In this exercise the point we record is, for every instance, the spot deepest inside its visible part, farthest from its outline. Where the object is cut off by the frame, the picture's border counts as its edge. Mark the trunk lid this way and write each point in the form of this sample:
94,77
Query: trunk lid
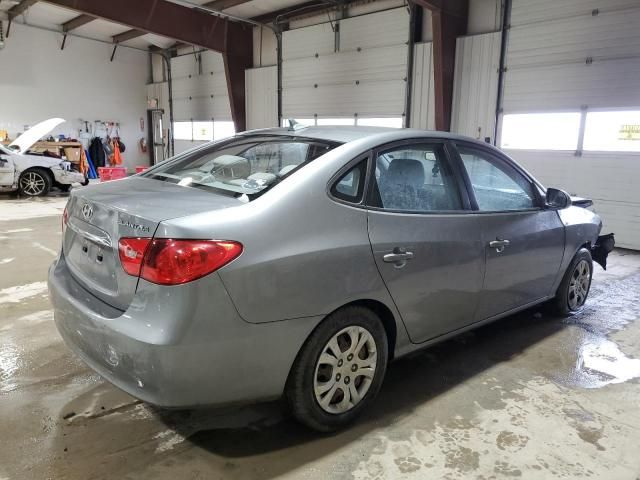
98,216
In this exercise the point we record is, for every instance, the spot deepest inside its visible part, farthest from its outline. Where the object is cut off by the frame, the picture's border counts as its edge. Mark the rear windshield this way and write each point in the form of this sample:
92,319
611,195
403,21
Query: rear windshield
247,165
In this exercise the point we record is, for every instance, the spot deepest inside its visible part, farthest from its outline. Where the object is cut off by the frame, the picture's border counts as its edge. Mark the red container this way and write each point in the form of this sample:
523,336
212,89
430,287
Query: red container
111,173
140,169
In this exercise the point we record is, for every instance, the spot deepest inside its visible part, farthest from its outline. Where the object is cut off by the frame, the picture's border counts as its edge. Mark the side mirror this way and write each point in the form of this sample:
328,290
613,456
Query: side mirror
557,199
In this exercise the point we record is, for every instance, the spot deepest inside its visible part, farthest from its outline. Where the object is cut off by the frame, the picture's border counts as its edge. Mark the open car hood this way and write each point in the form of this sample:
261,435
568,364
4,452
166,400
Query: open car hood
26,140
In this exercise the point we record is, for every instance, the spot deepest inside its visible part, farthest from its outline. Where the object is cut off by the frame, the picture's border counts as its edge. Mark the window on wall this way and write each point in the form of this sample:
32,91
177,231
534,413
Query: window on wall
393,122
541,131
612,131
223,130
337,121
182,131
204,131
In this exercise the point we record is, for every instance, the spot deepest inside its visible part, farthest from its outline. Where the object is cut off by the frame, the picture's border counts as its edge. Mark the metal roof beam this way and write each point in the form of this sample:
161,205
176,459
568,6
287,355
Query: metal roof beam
77,22
20,8
224,4
449,21
128,35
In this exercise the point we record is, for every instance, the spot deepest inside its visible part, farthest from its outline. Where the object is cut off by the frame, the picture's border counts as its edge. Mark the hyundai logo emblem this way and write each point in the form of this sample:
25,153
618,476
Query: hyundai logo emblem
87,211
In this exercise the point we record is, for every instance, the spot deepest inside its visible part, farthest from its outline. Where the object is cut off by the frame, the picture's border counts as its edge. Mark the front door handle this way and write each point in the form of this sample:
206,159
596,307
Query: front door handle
499,245
398,257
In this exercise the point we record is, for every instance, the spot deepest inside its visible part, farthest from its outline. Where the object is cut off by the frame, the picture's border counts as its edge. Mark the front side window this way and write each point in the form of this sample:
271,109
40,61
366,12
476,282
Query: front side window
241,166
415,179
496,186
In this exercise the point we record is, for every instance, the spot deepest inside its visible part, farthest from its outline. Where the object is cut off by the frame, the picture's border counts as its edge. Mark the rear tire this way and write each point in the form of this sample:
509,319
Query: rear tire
34,182
576,283
339,370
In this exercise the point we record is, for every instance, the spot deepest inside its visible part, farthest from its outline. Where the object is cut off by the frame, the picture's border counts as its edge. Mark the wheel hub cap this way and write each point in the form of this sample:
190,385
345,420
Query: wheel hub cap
579,285
345,370
32,183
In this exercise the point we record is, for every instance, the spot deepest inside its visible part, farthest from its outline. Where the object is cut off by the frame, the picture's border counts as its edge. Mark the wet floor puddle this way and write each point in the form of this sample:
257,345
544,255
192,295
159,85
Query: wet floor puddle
599,360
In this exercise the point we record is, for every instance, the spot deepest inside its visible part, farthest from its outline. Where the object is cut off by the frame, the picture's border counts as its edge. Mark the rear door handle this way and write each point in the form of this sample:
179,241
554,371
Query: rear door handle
499,245
399,257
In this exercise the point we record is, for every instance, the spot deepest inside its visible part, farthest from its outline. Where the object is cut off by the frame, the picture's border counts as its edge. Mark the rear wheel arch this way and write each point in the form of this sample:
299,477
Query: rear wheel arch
386,317
384,314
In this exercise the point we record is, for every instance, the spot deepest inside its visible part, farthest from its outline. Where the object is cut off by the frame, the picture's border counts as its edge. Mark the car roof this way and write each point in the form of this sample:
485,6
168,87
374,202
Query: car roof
346,134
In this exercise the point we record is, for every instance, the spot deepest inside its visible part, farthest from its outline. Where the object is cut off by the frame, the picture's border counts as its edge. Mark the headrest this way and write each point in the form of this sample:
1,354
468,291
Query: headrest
406,172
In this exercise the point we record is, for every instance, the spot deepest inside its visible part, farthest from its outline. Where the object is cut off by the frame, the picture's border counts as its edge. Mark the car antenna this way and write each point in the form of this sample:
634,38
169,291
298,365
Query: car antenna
293,125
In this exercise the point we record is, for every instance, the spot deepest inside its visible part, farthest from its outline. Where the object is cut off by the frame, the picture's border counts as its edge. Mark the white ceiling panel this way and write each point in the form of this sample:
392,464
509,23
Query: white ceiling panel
101,29
45,15
255,8
150,39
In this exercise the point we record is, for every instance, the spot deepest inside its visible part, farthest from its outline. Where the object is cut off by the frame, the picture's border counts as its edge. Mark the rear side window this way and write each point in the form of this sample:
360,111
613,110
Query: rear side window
496,185
415,179
350,186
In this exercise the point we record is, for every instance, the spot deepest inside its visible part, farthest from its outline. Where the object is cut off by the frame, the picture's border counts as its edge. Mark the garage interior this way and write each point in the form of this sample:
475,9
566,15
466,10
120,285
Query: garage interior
553,83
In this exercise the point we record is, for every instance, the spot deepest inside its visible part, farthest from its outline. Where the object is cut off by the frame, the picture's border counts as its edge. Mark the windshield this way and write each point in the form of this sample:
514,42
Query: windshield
246,165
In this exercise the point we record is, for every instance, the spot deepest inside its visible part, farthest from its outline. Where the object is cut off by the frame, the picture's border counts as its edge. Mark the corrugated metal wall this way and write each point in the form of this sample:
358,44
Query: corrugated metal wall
364,74
422,90
573,54
476,85
261,86
200,90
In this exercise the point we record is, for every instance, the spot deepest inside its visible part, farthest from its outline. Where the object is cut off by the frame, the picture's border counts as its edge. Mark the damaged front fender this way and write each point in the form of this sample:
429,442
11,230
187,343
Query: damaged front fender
602,248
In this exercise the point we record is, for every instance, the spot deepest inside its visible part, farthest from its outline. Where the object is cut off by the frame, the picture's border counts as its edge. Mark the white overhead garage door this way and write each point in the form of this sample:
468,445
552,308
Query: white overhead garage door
362,73
562,55
200,88
572,102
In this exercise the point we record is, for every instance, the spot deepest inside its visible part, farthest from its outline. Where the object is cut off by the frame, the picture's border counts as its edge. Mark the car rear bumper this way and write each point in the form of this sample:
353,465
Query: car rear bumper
177,353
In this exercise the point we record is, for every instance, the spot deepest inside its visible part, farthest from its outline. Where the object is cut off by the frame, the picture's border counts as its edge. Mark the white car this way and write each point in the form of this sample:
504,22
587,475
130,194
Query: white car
34,174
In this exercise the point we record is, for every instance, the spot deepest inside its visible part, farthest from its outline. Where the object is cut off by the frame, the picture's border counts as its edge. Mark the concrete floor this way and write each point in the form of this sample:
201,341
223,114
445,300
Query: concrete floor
531,396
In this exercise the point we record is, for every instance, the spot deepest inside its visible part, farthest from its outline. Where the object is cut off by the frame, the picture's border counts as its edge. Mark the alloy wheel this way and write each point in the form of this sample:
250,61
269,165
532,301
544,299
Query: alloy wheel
579,285
345,369
32,184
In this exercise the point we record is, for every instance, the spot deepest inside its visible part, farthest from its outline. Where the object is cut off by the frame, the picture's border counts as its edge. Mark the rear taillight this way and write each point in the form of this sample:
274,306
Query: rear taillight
171,262
131,251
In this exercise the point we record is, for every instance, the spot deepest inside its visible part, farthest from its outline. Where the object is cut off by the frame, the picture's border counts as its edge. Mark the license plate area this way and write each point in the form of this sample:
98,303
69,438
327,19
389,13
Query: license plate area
90,256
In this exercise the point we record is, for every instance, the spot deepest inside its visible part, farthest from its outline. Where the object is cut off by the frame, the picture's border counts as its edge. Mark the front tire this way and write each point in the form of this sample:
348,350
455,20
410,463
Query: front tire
576,283
34,182
339,370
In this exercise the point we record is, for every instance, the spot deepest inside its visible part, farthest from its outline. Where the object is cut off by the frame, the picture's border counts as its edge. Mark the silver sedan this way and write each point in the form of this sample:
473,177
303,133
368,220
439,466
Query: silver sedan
300,261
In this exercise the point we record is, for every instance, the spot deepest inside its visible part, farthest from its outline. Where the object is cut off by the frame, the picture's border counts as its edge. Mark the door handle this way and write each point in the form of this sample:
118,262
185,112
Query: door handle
499,245
399,257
